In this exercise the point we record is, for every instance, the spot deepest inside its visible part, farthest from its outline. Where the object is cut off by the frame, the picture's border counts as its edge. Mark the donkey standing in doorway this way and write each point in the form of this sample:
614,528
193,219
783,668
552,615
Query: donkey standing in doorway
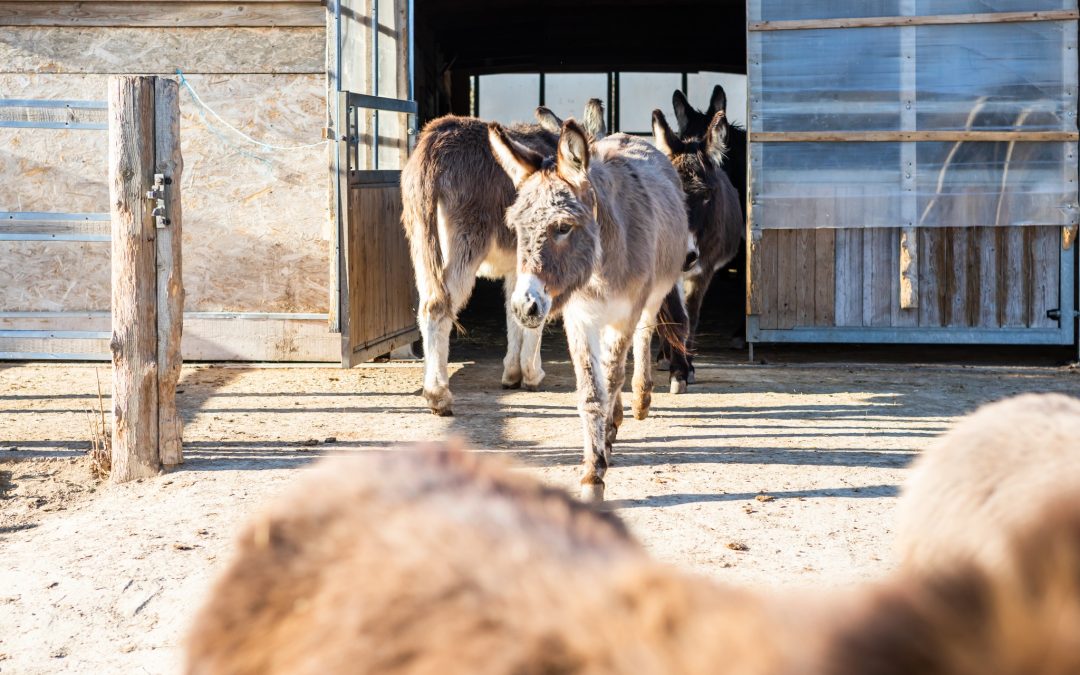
602,237
712,204
454,198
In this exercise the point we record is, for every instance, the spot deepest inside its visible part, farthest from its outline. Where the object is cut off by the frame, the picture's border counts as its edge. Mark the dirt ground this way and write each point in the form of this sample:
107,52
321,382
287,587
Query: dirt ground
99,578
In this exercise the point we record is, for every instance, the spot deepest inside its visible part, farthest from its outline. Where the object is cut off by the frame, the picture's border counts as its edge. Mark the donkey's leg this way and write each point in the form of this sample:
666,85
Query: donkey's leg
696,286
435,322
436,318
532,371
616,345
642,382
584,343
511,376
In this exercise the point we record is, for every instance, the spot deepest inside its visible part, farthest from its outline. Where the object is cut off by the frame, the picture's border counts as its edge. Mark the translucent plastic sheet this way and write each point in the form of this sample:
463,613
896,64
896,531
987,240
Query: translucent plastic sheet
856,185
976,76
786,10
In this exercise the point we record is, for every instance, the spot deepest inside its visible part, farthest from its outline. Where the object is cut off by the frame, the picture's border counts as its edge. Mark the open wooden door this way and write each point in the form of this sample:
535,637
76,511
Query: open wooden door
375,123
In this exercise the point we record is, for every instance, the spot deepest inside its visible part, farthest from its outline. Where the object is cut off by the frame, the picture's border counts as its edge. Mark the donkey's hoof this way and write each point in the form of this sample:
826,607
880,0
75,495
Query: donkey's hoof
678,386
641,407
663,364
532,381
511,378
511,385
690,378
440,401
592,490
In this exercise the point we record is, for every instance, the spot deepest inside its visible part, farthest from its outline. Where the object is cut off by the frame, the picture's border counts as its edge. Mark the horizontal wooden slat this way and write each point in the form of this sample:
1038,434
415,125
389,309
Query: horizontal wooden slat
161,14
902,136
932,20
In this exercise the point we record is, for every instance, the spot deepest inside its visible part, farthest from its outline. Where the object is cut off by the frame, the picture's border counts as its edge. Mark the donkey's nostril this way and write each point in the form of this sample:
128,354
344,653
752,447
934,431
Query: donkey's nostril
532,309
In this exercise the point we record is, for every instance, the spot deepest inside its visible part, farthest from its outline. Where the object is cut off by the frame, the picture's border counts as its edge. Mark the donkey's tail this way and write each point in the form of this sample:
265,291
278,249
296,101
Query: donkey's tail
672,324
419,217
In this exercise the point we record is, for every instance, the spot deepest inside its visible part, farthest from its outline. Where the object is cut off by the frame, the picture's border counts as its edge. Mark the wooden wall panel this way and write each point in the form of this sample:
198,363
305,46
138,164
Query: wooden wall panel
382,298
256,230
933,264
787,278
805,283
1045,274
52,276
163,14
763,279
849,277
42,49
825,277
1012,302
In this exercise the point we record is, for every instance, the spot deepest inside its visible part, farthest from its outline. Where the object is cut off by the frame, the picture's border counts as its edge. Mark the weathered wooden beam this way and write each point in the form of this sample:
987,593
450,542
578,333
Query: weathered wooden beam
134,279
119,13
929,20
170,287
909,136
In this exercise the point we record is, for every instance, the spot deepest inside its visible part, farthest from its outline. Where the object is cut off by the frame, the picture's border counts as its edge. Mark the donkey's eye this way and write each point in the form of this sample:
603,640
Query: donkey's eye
563,229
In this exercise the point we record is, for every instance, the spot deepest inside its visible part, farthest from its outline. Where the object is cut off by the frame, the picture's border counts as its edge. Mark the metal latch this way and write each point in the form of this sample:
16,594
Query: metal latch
156,194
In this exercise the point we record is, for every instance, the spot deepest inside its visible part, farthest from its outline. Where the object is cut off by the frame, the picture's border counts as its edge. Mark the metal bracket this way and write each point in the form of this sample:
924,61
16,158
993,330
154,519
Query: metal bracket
157,195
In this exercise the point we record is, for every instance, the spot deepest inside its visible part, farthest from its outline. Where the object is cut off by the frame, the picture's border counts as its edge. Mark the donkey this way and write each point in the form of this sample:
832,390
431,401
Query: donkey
693,123
602,234
713,206
433,560
988,477
454,196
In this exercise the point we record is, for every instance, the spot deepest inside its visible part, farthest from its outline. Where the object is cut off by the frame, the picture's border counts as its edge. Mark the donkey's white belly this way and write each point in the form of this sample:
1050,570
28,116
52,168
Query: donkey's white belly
599,313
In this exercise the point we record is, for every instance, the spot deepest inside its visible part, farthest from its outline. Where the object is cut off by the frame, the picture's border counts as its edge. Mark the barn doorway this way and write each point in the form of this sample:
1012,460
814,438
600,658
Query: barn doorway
500,64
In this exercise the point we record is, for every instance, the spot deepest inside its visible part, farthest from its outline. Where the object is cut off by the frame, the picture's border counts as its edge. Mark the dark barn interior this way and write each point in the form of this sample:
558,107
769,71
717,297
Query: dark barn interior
460,39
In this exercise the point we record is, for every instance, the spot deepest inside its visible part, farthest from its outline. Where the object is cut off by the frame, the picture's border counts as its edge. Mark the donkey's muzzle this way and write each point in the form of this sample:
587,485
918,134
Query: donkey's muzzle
530,302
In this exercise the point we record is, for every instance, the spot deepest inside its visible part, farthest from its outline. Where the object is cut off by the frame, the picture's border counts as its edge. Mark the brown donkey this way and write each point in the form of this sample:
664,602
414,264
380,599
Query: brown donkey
602,237
712,204
454,196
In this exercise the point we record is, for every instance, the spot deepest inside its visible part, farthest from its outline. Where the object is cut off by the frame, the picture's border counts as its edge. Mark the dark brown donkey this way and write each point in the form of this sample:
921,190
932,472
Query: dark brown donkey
602,237
454,196
715,216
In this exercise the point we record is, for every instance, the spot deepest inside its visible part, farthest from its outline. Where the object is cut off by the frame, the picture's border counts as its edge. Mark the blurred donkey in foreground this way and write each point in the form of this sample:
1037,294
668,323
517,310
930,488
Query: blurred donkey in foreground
437,561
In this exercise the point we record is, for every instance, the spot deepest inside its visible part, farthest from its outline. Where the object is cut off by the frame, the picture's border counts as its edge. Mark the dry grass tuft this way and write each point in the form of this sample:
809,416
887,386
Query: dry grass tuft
100,437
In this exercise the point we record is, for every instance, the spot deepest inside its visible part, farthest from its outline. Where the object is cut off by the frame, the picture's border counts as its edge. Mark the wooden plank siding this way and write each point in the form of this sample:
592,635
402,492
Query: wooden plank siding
969,277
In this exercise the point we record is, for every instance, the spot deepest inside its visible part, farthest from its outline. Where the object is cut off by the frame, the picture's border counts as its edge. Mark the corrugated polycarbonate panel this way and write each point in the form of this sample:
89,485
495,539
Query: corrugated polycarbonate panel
855,185
981,76
793,10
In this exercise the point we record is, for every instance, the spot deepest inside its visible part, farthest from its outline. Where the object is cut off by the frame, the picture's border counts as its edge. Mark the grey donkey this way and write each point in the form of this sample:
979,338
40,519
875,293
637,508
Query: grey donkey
715,215
602,237
454,198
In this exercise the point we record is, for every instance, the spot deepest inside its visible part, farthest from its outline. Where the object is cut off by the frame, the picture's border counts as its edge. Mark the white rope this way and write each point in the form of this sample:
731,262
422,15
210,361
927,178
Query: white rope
241,134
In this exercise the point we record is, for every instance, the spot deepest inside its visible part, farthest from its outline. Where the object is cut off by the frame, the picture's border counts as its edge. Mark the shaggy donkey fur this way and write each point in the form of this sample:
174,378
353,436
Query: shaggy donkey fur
438,562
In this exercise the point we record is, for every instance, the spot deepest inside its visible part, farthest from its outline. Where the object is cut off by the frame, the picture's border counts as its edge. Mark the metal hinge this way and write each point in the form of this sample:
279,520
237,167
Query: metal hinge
156,194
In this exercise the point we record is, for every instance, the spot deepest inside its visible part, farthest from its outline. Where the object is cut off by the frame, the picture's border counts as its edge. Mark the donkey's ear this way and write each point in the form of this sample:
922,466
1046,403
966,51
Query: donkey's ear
548,120
716,138
572,160
594,119
684,112
717,102
664,137
516,160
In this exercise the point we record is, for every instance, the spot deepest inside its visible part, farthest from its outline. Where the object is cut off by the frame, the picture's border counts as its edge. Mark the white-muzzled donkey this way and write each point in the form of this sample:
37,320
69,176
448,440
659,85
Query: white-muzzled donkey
602,237
454,196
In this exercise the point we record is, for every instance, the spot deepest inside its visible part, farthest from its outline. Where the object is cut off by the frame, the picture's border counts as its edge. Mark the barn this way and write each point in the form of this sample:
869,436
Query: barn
912,163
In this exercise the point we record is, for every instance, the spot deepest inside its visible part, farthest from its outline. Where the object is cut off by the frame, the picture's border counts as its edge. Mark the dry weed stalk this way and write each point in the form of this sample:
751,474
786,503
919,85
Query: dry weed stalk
100,437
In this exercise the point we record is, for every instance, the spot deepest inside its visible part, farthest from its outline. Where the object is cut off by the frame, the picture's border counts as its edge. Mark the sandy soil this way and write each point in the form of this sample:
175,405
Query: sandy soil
99,578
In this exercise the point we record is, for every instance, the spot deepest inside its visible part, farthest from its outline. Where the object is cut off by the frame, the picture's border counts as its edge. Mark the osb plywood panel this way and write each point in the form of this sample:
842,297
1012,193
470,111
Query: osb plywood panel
256,226
41,49
54,276
37,13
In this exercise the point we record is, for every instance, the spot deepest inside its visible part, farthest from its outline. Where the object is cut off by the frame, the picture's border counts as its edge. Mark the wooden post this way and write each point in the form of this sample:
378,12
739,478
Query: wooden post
170,287
139,357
